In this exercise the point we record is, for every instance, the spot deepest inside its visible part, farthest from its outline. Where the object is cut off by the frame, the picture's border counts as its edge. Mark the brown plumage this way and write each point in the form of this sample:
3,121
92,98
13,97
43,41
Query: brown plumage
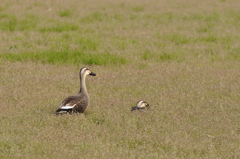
77,103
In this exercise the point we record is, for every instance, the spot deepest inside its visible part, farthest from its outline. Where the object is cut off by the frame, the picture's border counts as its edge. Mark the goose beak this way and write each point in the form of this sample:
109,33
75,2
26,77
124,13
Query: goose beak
93,74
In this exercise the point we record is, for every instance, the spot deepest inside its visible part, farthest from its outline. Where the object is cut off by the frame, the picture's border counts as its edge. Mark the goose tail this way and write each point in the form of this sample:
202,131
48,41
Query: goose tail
63,111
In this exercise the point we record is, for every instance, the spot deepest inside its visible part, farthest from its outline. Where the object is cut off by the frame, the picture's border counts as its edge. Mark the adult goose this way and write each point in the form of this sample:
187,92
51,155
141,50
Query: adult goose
77,103
140,105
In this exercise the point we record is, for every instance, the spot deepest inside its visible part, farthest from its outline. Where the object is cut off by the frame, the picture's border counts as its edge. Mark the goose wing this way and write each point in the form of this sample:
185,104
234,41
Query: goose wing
67,105
72,102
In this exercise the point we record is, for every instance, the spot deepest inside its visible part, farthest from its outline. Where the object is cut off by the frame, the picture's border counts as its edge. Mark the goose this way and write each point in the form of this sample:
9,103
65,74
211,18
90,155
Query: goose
77,103
140,105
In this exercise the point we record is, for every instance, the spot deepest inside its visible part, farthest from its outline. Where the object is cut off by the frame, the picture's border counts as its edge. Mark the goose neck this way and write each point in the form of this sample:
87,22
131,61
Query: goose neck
83,88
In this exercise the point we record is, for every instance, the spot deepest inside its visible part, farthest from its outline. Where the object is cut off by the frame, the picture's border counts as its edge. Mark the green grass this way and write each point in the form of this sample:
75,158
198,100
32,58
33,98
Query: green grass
234,54
177,39
64,13
94,17
12,23
183,58
8,22
67,58
138,8
59,27
162,56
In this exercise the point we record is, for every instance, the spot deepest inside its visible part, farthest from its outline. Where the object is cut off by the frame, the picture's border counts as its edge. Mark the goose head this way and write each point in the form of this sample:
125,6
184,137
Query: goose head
140,105
85,71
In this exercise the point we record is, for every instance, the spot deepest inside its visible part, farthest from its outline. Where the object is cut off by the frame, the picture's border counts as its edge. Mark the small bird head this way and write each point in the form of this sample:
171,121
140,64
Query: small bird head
142,104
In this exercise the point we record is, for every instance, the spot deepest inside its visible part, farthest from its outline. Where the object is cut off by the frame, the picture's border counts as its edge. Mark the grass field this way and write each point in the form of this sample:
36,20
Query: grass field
182,57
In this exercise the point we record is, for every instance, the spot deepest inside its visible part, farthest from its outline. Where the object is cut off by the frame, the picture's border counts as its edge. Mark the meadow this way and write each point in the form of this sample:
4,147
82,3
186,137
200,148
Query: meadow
182,57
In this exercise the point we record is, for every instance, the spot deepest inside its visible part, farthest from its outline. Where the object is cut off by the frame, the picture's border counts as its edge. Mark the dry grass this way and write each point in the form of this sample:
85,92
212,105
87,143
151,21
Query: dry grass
182,58
195,112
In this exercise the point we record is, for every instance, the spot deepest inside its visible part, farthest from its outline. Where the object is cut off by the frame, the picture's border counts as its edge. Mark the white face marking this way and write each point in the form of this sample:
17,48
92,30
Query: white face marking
141,104
85,72
88,72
